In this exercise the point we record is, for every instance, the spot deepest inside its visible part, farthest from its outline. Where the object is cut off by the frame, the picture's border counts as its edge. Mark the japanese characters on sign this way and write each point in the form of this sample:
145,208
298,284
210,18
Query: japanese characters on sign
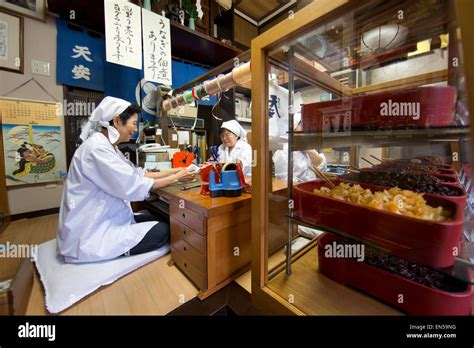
80,58
156,48
123,33
80,71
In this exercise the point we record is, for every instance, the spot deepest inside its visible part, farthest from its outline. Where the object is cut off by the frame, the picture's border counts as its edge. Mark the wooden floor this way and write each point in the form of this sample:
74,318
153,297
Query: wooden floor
155,289
27,231
315,294
245,280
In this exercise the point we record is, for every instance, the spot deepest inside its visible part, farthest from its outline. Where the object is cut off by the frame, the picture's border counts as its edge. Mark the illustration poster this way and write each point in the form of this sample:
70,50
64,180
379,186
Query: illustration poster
32,142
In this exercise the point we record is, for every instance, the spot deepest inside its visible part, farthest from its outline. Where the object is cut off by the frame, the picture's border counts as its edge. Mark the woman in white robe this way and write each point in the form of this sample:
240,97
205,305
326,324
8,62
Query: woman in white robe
235,147
96,221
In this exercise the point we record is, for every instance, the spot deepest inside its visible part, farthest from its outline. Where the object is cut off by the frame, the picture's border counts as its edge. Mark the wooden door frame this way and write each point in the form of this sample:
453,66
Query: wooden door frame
262,297
4,207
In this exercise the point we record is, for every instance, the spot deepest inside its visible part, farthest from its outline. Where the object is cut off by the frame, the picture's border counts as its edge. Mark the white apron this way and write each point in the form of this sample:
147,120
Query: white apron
96,220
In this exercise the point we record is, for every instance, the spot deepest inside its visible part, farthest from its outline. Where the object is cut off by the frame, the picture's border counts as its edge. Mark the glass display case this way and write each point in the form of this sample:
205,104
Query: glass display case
382,223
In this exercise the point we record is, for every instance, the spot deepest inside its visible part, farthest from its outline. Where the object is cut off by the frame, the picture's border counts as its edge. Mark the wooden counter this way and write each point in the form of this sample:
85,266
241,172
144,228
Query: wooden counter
210,237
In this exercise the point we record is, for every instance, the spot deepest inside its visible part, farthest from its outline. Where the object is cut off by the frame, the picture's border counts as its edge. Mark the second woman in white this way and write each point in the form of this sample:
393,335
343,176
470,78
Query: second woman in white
234,147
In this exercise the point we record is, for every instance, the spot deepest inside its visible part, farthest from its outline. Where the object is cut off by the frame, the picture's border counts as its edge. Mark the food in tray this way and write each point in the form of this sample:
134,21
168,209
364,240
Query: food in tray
427,163
412,271
425,183
395,200
399,165
434,160
409,270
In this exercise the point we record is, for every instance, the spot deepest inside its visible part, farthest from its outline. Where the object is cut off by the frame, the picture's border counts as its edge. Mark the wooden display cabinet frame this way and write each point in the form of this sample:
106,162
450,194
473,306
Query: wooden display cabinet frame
263,297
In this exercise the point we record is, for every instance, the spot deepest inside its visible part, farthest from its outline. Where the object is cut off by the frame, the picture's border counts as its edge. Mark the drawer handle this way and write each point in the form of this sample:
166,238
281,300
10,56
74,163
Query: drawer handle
184,248
185,265
184,231
184,216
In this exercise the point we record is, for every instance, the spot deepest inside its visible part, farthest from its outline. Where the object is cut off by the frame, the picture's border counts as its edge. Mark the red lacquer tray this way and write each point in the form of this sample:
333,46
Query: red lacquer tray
417,299
436,105
420,241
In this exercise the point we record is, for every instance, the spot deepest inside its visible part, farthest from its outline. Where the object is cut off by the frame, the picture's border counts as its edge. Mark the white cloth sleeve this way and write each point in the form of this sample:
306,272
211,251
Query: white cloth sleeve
139,170
246,160
114,176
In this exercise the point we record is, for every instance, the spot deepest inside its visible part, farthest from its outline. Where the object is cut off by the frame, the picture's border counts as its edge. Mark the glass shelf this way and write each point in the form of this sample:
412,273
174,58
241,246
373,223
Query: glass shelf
462,269
375,138
329,78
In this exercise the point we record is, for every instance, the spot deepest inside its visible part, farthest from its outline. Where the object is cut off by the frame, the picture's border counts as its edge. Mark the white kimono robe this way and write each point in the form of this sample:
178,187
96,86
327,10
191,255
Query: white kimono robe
96,220
242,152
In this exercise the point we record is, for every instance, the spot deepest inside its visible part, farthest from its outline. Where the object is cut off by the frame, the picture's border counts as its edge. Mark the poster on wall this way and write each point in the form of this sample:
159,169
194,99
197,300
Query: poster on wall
156,48
123,33
32,141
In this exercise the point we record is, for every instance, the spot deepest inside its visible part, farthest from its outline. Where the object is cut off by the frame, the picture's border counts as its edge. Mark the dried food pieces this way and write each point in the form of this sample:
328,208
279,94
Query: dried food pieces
405,180
409,270
434,160
394,200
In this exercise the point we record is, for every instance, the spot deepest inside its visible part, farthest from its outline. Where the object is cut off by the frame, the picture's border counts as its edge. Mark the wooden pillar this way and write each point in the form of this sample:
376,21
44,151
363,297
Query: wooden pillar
4,210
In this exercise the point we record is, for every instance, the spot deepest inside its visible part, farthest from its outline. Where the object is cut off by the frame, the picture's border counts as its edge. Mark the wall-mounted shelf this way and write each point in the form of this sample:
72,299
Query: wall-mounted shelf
198,47
247,92
376,138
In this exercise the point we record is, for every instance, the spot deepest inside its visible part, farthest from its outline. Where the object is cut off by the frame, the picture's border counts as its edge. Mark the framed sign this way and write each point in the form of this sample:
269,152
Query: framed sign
11,42
35,9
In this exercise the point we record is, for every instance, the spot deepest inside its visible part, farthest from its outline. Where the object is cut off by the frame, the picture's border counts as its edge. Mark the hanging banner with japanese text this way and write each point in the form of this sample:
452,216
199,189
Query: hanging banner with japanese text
123,33
156,48
79,57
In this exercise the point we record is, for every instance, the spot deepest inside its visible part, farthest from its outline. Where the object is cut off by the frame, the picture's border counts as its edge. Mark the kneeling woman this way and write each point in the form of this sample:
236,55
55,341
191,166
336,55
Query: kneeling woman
96,221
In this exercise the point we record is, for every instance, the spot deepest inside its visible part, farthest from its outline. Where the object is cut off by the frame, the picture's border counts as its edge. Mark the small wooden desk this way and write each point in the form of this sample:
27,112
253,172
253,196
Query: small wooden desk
210,237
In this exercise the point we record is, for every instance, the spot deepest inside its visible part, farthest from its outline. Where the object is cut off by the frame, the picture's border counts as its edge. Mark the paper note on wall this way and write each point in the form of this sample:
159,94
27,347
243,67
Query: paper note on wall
183,137
156,48
123,33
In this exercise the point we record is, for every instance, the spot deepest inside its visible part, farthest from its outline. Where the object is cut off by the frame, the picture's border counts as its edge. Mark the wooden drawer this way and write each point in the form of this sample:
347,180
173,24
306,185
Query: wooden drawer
199,278
189,235
188,217
194,257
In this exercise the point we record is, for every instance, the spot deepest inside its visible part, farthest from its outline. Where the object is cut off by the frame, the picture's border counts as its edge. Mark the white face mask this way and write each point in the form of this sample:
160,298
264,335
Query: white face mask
114,134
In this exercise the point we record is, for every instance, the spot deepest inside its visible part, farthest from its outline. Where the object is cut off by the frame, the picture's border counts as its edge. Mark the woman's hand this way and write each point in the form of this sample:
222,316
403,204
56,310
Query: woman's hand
171,171
184,173
315,157
171,179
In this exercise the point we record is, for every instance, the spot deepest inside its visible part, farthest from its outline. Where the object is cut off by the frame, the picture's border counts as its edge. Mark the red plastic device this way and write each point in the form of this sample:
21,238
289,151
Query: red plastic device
182,159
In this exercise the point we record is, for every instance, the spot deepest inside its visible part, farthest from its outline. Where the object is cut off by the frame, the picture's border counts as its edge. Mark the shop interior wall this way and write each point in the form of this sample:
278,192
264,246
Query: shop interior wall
40,44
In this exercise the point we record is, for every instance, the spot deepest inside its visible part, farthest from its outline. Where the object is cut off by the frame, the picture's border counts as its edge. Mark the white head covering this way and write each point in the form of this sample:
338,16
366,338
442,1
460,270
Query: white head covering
102,114
235,128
